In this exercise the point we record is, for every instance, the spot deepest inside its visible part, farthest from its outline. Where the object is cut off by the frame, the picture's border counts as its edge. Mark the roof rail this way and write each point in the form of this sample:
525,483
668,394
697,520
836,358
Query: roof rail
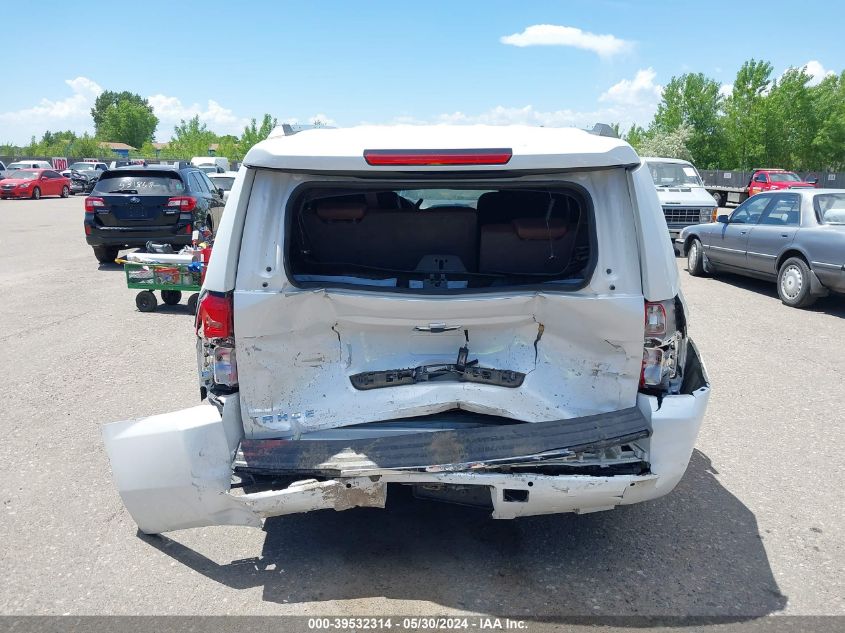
603,129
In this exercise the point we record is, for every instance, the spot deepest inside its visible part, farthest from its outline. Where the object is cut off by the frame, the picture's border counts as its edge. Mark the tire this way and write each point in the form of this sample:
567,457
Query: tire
65,192
146,301
171,297
695,258
36,193
192,303
794,283
106,254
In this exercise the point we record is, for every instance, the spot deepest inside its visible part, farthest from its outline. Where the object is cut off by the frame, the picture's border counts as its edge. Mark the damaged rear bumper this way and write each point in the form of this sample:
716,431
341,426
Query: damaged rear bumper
174,471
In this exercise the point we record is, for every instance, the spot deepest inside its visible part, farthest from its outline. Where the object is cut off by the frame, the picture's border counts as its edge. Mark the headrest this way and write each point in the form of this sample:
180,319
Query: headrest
340,211
537,229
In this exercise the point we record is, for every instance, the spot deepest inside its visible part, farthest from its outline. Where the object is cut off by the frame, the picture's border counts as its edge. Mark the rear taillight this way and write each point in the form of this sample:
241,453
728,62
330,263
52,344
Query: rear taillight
432,157
182,203
214,316
94,204
215,328
664,346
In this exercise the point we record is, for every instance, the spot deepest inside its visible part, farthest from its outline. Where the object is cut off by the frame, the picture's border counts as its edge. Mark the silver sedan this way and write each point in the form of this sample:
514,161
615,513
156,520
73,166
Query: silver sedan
795,238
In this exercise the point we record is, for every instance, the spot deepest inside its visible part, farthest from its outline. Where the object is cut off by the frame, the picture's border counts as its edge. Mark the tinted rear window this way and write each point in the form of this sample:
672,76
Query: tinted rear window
439,238
141,183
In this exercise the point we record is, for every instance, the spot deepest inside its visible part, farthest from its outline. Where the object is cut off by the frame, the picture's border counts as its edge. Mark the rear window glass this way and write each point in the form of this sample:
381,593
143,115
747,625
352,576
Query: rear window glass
223,183
439,239
154,184
830,208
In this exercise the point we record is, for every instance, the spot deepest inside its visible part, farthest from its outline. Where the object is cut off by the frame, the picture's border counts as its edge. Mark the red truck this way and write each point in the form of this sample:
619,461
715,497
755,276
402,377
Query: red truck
762,179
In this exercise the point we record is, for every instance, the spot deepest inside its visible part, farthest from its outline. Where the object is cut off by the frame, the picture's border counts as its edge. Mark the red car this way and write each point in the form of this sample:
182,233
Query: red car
774,179
34,183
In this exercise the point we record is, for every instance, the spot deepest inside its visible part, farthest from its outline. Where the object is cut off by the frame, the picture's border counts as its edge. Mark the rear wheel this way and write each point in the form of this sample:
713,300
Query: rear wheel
192,303
65,191
695,259
171,297
36,194
106,254
146,301
794,283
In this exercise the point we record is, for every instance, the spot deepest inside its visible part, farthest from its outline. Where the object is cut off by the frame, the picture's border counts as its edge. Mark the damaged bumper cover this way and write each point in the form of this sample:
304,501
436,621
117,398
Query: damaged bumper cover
173,471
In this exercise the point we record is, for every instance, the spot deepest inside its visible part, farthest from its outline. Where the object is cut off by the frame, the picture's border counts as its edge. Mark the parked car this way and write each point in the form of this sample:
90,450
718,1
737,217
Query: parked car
761,180
684,199
83,175
2,170
224,181
29,164
34,183
794,238
130,206
86,166
499,327
211,164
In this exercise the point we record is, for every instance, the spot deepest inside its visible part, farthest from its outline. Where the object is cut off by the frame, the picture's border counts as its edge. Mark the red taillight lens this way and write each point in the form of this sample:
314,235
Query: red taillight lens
418,157
183,203
94,204
215,316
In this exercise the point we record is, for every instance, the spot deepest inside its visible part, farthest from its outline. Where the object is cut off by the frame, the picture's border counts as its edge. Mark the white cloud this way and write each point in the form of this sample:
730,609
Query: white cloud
726,90
626,102
171,110
639,91
604,46
816,71
73,113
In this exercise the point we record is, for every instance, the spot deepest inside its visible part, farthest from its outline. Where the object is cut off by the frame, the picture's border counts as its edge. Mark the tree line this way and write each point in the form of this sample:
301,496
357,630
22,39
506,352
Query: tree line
764,121
126,117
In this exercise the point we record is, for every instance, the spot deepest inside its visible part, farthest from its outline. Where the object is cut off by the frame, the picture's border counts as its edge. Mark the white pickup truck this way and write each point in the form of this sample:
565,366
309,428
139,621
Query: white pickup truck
489,315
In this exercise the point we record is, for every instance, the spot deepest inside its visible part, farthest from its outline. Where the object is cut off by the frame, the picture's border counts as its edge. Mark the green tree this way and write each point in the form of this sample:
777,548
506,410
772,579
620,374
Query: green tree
128,122
191,138
693,100
829,141
672,144
790,122
254,133
107,99
636,136
744,120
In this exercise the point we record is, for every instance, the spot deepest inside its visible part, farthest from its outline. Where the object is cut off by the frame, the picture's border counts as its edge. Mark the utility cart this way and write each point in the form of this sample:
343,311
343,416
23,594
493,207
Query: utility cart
171,278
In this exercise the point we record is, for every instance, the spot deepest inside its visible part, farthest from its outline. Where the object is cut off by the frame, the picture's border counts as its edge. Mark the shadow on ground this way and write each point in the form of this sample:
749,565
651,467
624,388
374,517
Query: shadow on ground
834,304
696,552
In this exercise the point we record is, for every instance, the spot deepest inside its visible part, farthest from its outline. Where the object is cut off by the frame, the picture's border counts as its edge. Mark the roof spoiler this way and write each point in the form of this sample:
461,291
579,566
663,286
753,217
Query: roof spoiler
603,129
289,129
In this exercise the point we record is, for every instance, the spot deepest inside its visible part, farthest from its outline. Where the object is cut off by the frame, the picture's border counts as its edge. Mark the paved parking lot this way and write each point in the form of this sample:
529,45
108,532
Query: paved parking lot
755,527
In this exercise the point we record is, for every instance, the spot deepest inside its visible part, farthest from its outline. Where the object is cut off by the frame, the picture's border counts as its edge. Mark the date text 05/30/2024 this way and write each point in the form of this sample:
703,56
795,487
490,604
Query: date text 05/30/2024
416,624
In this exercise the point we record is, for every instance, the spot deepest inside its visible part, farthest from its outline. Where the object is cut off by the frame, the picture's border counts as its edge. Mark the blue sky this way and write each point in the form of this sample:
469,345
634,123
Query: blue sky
560,62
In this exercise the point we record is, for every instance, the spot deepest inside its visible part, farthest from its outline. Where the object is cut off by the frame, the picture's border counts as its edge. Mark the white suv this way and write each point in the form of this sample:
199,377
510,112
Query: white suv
490,315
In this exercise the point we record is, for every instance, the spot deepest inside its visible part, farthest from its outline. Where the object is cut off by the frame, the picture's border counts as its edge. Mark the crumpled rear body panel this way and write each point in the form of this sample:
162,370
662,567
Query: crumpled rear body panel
581,355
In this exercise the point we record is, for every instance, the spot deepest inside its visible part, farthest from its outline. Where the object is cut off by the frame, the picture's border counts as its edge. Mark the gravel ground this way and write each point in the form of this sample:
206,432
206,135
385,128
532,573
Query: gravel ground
752,529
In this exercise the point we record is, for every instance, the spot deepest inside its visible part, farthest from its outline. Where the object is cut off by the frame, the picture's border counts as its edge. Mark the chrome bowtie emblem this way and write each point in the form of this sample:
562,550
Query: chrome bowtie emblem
134,200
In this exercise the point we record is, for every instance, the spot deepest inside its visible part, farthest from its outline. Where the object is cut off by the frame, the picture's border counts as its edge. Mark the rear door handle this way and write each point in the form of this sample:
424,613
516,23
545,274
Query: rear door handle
743,232
784,234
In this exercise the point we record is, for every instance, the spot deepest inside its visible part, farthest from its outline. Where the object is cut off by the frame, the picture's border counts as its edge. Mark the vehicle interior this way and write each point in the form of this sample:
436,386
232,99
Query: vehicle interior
439,238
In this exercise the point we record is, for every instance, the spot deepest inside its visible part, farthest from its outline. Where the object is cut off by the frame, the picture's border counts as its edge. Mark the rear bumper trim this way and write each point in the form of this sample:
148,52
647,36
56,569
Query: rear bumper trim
453,450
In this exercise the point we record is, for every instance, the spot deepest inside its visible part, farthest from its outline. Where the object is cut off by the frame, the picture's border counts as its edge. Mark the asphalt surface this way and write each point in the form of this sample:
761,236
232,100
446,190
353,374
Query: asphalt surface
755,527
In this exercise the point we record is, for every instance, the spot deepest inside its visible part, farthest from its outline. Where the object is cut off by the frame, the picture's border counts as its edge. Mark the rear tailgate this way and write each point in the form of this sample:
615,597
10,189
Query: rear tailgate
139,198
580,350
